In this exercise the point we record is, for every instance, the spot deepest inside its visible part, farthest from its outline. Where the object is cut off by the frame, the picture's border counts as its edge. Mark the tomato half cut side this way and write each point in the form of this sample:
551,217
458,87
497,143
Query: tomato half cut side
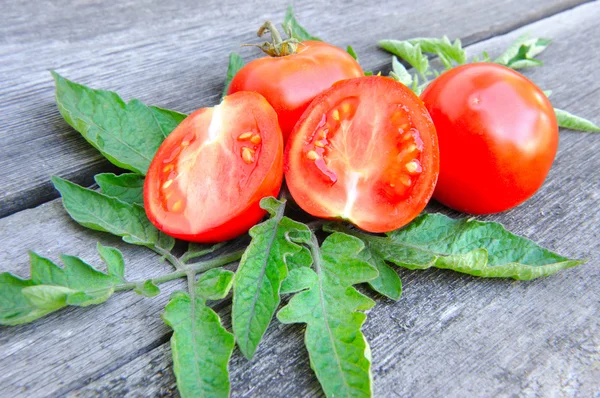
209,175
364,151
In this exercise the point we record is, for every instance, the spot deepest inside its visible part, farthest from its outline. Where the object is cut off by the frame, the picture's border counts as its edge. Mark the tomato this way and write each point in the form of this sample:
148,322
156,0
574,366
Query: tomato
497,134
208,176
364,151
290,82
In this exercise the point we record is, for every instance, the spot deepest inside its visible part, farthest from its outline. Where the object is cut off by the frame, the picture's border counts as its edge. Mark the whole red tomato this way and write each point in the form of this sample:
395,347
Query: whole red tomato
209,175
364,151
497,136
290,82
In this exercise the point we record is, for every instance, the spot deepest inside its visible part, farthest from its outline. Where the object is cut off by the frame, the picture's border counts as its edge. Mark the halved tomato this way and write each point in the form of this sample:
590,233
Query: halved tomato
364,151
207,178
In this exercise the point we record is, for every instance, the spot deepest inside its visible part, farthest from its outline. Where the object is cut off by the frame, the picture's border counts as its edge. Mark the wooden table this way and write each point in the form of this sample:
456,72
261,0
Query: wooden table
449,335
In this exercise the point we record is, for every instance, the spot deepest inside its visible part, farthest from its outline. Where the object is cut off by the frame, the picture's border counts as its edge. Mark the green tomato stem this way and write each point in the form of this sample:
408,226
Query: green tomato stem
194,269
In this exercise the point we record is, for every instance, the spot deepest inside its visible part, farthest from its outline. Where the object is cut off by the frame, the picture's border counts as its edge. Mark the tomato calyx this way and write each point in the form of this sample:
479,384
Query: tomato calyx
277,47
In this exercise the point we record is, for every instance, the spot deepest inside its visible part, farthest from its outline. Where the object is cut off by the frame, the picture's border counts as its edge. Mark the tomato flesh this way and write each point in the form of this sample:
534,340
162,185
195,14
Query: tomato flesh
290,83
207,178
364,151
497,134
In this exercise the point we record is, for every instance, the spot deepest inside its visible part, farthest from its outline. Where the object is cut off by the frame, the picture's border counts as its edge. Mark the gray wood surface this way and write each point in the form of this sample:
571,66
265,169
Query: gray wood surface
449,335
174,54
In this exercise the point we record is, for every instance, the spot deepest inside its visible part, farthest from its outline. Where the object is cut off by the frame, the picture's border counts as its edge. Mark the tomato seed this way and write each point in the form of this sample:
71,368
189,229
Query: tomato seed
413,166
312,155
168,168
335,115
320,144
167,184
256,139
248,155
177,206
245,136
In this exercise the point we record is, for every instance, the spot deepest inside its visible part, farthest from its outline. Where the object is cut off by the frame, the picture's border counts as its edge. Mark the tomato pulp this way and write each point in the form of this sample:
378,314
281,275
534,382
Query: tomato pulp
208,176
364,151
497,135
290,82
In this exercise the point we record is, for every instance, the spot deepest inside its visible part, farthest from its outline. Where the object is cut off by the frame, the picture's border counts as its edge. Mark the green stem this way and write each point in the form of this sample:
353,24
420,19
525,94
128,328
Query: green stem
192,268
270,27
169,257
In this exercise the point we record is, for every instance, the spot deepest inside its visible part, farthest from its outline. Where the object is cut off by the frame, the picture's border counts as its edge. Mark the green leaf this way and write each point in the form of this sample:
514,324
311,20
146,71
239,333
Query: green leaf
548,93
368,73
262,269
408,52
51,288
167,120
103,213
294,29
388,282
147,289
200,345
570,121
235,64
352,53
113,258
214,284
128,135
128,187
447,51
330,308
465,245
399,73
522,52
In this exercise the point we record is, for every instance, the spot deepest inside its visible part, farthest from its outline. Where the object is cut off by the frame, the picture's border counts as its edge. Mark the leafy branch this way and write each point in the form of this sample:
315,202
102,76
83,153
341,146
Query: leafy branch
520,54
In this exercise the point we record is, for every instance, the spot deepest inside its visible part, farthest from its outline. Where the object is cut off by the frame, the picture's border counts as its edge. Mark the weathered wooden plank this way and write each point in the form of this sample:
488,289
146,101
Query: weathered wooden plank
452,335
174,55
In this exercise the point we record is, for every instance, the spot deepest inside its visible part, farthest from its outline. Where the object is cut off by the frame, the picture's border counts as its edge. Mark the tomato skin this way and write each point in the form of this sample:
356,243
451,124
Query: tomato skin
365,151
498,137
290,83
199,187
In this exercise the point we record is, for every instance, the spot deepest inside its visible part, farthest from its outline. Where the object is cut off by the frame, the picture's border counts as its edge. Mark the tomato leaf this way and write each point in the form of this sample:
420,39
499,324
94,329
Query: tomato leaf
128,135
235,64
52,288
522,52
147,289
387,283
113,258
330,307
570,121
128,187
103,213
447,51
262,268
293,29
400,74
201,347
465,245
352,53
214,284
408,52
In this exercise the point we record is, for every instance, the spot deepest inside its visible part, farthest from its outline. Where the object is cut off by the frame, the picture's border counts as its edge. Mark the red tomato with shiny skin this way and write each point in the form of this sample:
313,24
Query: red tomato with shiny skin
209,175
290,82
497,135
364,151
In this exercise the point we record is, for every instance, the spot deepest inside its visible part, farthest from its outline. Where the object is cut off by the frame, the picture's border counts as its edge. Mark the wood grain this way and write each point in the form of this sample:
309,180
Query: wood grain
174,54
449,335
